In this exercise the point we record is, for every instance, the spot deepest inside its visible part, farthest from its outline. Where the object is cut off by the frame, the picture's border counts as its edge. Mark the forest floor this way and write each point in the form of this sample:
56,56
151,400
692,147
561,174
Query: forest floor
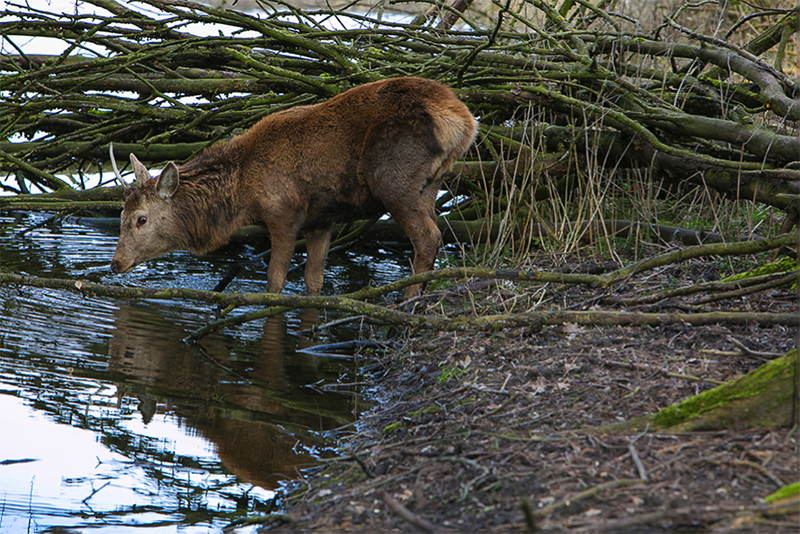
513,430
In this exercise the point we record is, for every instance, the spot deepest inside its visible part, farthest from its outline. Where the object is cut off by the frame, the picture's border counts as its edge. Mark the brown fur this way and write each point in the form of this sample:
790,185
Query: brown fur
380,147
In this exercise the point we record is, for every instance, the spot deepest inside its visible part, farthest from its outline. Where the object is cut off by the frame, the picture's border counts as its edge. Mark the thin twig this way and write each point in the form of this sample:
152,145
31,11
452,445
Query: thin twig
637,461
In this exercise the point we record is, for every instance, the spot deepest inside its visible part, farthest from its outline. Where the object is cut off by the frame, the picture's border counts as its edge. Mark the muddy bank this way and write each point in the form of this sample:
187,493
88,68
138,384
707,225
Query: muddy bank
498,432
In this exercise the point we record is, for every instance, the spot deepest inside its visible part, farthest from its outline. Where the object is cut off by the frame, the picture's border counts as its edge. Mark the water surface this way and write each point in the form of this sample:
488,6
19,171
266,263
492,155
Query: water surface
109,422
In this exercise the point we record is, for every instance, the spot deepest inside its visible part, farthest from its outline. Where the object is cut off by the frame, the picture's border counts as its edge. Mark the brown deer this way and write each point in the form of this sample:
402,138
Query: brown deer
381,147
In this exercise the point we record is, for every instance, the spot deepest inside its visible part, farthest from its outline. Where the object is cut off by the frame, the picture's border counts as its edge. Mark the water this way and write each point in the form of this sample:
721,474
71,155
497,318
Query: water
109,422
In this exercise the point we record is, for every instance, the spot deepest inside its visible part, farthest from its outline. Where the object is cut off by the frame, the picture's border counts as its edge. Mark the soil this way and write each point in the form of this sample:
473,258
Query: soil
519,430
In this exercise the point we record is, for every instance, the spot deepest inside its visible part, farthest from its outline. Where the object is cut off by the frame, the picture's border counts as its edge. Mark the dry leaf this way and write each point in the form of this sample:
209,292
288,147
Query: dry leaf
539,386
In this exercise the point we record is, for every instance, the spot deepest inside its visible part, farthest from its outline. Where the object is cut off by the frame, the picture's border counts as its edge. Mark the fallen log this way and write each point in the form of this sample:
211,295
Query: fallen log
764,398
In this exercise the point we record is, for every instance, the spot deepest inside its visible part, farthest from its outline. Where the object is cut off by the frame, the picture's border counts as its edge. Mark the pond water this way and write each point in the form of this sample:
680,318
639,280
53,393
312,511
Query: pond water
110,423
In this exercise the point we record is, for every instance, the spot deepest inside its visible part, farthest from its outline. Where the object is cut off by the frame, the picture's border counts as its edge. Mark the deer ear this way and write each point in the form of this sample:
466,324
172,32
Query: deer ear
168,182
139,171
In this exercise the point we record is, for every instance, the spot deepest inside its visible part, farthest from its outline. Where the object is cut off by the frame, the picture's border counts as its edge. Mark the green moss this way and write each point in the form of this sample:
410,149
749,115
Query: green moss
785,264
451,371
388,429
757,382
786,491
430,409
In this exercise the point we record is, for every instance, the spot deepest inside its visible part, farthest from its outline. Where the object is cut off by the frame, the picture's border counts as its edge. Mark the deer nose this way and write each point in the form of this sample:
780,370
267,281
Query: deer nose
115,267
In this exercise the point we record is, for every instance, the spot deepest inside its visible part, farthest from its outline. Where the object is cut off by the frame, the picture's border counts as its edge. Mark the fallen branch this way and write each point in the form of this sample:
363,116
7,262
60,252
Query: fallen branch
664,372
744,351
582,496
419,522
353,302
655,520
760,282
761,469
488,323
785,280
713,249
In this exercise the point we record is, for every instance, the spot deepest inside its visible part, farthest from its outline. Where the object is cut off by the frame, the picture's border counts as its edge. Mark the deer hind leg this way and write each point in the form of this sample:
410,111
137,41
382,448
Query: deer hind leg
415,212
404,171
317,244
426,238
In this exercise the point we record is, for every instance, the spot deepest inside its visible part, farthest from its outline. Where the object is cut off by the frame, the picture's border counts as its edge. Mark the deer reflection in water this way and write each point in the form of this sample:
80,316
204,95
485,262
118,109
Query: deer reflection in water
233,402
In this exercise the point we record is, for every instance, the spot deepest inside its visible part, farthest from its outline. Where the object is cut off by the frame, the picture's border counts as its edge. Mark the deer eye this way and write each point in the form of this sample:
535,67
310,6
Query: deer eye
140,221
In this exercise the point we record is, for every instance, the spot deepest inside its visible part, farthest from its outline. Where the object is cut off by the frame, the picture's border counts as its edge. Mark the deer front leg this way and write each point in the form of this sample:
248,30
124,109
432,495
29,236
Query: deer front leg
283,243
317,244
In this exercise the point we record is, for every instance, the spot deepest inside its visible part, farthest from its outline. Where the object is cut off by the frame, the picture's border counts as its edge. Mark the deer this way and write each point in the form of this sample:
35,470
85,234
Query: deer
382,147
